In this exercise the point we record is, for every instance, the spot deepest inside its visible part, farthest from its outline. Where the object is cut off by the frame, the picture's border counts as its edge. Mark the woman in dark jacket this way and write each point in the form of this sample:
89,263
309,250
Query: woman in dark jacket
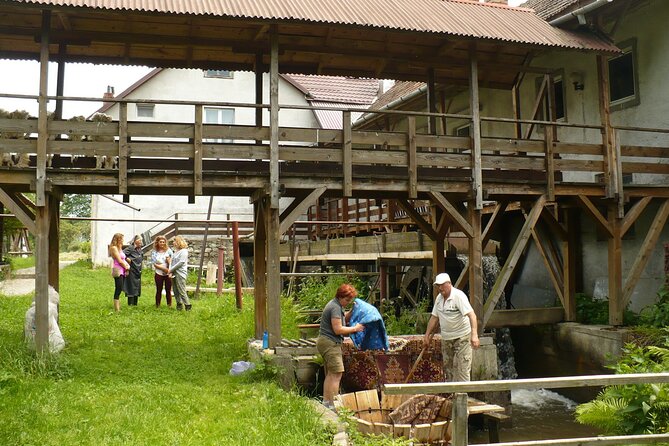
133,282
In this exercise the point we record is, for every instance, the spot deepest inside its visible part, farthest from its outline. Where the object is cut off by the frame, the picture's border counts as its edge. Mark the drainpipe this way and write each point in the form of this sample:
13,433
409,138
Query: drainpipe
579,13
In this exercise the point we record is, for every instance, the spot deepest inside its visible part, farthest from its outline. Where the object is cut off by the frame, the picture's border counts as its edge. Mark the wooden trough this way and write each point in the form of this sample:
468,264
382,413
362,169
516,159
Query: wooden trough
373,417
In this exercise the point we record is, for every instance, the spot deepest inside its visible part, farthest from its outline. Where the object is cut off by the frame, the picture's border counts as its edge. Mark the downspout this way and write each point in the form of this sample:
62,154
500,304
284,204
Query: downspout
579,13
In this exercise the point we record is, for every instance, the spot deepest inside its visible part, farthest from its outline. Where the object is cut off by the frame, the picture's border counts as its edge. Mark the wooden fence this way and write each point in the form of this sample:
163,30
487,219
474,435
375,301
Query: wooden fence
459,416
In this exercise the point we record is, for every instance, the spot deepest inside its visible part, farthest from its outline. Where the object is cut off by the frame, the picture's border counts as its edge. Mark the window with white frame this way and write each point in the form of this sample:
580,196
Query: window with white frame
623,77
145,110
221,74
215,115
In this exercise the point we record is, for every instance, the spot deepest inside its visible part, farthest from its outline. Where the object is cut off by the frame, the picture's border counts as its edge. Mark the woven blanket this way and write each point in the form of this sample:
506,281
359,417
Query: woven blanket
374,337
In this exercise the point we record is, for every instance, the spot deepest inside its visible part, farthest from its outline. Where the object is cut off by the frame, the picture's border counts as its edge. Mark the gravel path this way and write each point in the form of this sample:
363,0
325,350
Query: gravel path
23,281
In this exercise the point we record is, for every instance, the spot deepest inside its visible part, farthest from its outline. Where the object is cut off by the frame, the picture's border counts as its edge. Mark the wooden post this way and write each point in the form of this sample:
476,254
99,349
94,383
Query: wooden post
204,248
459,419
607,131
42,124
238,264
60,81
347,155
474,104
54,239
259,268
383,283
273,277
615,267
569,247
220,272
431,101
412,167
259,69
549,162
42,220
197,151
476,263
438,246
274,120
123,148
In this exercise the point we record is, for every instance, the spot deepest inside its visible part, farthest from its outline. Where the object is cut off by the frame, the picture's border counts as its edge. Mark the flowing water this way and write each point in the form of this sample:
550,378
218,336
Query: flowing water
538,415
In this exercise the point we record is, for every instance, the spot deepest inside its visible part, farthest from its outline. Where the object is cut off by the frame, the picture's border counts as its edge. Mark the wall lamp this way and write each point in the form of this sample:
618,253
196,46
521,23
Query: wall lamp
576,79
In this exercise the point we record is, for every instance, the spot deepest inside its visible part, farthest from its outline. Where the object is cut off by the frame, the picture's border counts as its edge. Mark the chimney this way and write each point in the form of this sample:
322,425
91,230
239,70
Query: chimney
109,94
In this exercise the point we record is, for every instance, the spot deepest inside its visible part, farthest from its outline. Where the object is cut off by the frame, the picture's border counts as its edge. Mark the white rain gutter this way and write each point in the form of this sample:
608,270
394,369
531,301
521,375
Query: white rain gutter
372,115
579,13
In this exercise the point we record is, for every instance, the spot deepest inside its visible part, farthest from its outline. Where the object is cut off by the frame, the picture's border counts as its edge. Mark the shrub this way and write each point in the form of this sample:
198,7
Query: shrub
657,315
593,311
316,291
632,409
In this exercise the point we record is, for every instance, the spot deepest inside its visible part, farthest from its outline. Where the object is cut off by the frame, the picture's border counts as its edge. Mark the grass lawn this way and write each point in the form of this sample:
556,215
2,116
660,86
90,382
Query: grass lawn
144,376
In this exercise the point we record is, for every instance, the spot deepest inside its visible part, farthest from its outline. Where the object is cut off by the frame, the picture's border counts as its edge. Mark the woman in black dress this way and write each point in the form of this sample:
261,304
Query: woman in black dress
133,282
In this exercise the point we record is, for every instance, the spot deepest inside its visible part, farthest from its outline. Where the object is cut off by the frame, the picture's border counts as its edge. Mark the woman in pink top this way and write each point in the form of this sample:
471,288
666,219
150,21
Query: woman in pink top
115,249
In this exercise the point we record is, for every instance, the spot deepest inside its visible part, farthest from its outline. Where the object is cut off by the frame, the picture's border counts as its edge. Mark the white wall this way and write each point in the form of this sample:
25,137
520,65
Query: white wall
188,85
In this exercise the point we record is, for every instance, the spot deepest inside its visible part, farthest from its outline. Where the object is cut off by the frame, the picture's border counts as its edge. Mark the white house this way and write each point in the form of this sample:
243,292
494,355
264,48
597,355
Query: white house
213,86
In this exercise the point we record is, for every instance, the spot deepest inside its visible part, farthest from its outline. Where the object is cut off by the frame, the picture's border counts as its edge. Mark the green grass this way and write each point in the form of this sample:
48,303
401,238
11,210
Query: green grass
144,376
19,262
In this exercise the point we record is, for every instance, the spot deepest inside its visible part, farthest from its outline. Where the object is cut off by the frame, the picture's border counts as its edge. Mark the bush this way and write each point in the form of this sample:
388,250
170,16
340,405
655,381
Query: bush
657,315
633,409
317,291
593,311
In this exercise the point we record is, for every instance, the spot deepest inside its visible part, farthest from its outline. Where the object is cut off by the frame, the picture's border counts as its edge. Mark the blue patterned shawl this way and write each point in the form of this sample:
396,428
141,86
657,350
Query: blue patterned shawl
374,337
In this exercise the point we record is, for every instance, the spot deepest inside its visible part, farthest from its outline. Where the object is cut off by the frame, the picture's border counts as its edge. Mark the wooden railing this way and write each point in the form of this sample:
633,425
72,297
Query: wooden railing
378,159
459,415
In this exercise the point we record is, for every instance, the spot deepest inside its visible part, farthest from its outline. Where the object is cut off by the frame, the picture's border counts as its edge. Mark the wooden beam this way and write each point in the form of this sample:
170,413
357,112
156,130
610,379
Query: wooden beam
474,105
18,211
549,162
197,150
42,123
525,317
347,155
555,276
123,148
412,167
587,205
273,276
605,118
274,119
512,259
555,226
649,243
615,262
452,212
475,262
541,94
300,209
259,268
417,218
633,214
495,217
431,101
43,219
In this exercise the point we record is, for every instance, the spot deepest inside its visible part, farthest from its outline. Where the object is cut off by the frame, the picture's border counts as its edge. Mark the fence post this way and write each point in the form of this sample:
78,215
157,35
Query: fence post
459,420
220,272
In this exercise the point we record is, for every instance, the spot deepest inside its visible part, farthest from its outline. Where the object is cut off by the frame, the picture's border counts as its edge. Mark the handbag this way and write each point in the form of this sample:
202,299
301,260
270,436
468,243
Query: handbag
116,272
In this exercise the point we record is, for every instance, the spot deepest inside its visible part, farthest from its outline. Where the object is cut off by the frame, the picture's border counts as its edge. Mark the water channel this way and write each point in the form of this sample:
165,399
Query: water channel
538,415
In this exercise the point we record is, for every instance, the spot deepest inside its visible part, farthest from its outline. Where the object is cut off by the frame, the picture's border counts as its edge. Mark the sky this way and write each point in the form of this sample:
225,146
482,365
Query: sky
81,80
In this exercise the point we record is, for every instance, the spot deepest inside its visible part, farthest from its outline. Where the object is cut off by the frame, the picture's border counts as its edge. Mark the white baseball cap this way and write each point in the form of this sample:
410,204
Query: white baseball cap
442,278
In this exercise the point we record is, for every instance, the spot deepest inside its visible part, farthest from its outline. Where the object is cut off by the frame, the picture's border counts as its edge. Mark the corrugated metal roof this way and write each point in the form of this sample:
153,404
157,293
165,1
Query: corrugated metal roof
547,9
453,17
345,90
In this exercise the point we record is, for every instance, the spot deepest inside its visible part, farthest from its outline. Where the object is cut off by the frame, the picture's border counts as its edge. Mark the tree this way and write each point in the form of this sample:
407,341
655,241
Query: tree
76,205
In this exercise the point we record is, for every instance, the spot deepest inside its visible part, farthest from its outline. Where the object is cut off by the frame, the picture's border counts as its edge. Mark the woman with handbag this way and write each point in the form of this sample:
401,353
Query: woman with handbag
119,267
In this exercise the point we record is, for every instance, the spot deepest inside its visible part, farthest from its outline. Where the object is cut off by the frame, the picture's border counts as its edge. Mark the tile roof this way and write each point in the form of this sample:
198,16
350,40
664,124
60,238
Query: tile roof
345,90
548,9
463,18
397,91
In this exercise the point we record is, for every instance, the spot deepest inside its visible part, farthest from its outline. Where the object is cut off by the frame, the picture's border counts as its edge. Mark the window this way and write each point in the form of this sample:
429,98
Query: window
219,116
145,110
623,81
221,74
463,130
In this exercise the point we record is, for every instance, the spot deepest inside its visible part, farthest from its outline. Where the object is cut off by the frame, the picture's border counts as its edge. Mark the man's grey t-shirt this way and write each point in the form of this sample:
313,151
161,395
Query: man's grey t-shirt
332,310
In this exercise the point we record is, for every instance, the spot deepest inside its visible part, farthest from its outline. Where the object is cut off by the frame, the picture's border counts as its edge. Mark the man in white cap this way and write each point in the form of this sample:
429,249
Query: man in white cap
459,334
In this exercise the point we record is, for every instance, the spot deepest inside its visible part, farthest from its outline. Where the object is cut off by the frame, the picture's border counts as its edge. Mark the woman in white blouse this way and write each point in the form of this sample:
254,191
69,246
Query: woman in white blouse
160,259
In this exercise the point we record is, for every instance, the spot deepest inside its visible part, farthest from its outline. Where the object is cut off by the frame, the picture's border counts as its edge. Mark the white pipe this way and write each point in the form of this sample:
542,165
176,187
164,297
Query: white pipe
579,13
